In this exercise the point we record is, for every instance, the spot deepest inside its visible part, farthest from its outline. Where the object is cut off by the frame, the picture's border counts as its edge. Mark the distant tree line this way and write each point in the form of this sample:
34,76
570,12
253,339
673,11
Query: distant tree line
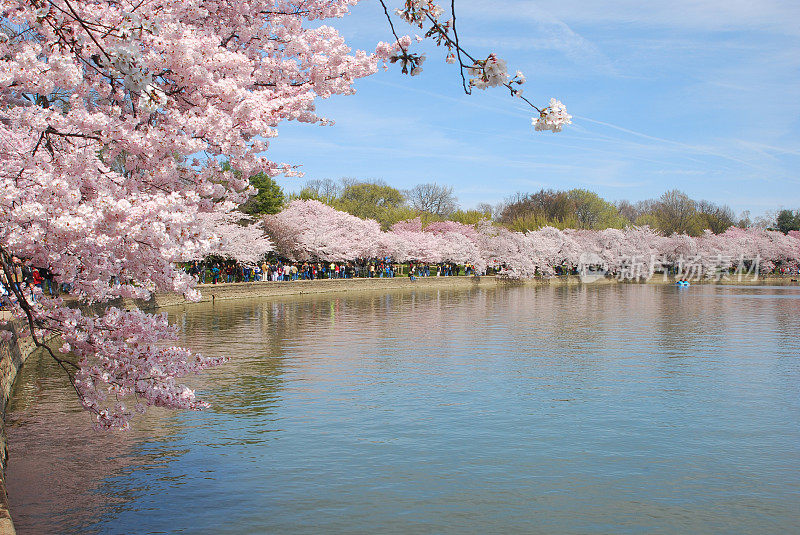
672,212
387,205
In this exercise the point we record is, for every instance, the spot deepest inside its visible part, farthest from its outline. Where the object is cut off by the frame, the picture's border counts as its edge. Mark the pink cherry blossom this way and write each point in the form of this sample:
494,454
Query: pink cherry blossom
554,117
307,230
114,123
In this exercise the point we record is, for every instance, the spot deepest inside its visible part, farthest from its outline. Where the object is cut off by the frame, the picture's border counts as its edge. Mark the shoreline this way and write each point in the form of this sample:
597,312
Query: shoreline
266,289
248,290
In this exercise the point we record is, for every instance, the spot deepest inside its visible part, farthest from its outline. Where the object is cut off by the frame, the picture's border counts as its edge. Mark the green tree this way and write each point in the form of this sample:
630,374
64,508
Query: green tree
268,200
373,200
714,217
531,211
593,212
788,220
675,212
469,217
576,208
535,220
647,219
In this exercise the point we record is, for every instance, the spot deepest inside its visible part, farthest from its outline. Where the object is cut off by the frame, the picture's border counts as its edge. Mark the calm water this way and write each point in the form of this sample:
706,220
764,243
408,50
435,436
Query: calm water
622,409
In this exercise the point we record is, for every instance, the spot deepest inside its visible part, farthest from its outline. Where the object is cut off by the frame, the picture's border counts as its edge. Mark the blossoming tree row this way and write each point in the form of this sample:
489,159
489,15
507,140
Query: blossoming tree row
307,230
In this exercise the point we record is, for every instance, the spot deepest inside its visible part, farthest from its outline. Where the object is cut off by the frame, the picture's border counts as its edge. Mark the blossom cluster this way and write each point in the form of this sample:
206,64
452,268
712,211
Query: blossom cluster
229,233
415,11
491,72
554,117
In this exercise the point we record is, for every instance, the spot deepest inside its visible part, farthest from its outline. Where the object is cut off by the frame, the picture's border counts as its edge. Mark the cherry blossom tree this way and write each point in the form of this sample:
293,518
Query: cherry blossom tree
408,225
445,227
507,249
677,247
406,241
311,230
115,119
458,248
231,235
551,247
440,241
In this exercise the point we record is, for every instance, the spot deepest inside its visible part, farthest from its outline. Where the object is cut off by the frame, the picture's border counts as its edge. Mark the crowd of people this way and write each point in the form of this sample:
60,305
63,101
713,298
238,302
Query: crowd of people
25,278
226,271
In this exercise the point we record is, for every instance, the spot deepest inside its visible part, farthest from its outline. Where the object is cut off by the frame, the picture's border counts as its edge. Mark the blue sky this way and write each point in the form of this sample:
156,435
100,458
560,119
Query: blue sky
700,96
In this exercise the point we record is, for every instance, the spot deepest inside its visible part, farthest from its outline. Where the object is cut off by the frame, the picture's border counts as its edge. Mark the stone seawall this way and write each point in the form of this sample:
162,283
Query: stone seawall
253,290
250,290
